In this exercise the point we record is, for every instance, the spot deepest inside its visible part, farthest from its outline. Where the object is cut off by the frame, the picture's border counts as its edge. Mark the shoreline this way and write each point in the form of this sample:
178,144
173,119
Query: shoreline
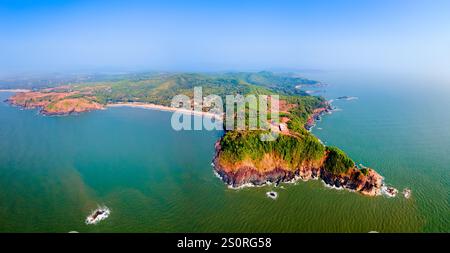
329,181
150,106
317,115
248,175
166,108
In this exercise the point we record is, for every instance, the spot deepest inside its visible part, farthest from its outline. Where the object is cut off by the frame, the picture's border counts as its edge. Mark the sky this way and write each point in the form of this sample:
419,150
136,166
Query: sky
383,35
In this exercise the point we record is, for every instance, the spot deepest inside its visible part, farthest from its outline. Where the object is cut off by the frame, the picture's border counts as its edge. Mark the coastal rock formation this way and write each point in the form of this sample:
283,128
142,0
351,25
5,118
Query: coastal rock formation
316,115
52,102
367,182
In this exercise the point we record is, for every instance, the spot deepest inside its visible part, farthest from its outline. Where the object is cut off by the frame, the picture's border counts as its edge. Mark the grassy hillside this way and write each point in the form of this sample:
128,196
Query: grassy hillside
161,88
239,145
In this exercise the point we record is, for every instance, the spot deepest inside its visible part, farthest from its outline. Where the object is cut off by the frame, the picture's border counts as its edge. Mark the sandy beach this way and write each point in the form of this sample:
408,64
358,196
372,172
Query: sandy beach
167,108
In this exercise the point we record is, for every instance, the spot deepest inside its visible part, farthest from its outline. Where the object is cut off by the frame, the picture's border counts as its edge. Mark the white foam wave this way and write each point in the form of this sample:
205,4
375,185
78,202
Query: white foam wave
99,214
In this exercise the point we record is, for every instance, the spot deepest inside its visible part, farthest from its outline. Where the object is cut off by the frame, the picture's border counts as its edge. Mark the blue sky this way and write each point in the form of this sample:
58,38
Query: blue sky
406,36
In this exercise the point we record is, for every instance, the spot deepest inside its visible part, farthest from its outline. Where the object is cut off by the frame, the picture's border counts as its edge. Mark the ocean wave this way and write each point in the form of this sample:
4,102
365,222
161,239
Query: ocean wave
332,186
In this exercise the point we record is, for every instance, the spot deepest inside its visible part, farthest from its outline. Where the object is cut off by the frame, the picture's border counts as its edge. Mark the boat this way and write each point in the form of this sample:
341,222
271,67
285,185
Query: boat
98,215
407,193
272,194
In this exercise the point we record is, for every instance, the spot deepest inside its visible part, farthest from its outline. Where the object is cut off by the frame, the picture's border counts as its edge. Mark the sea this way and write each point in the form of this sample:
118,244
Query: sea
54,171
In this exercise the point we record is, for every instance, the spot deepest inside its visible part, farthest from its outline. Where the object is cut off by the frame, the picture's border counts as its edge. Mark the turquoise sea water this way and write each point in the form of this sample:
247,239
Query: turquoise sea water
55,170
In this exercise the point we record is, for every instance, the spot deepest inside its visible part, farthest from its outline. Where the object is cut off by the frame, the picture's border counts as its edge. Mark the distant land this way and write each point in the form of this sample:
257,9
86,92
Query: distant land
241,157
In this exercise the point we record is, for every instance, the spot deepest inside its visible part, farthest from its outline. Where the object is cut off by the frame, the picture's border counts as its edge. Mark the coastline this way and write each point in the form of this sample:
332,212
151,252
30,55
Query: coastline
249,176
317,114
167,108
150,106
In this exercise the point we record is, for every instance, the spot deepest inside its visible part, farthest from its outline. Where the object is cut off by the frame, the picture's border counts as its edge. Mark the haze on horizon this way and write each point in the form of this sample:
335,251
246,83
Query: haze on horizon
401,36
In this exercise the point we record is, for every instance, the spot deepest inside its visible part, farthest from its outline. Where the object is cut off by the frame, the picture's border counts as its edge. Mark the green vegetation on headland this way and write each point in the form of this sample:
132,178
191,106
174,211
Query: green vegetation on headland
292,149
242,158
161,88
238,145
337,161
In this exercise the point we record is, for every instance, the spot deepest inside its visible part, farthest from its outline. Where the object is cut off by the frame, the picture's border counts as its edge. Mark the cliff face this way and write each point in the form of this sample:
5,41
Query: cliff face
273,171
316,115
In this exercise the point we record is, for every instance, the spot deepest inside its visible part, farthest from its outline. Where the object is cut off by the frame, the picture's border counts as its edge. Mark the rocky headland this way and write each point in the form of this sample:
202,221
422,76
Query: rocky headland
271,168
56,102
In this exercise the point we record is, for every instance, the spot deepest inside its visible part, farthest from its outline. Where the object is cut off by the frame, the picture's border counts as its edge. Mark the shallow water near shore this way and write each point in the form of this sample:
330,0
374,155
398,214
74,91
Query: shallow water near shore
55,170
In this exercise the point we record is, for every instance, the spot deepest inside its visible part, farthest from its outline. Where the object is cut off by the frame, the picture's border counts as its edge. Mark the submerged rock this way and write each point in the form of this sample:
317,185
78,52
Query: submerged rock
389,191
407,193
98,215
272,194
